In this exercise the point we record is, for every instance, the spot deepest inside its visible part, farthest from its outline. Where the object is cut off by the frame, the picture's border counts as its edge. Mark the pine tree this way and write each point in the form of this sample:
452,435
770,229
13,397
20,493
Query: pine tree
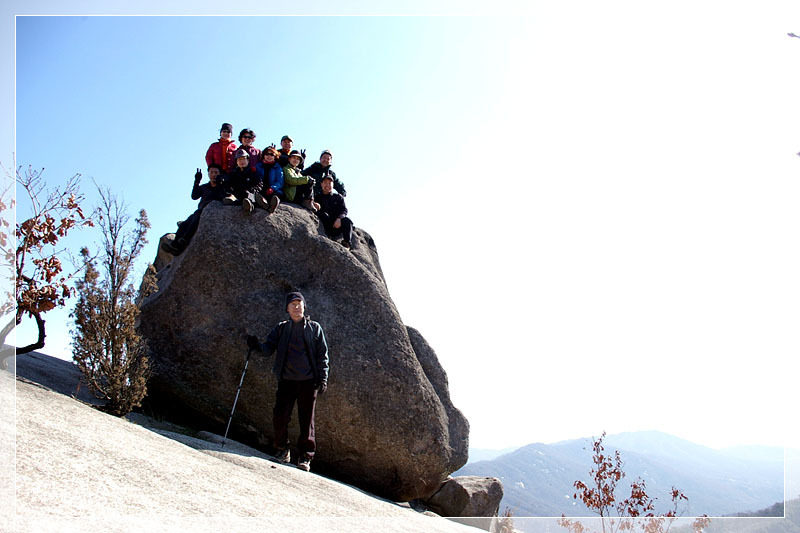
106,347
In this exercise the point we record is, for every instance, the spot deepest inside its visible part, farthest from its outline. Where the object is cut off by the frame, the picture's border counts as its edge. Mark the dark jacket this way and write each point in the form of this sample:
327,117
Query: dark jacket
317,171
239,182
207,194
332,203
314,339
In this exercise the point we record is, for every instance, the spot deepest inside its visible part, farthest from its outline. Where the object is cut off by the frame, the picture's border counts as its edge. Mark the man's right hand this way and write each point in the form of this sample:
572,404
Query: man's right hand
252,342
198,175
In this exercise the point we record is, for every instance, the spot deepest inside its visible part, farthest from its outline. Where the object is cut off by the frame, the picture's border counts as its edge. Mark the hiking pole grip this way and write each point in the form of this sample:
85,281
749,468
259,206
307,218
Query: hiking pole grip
236,399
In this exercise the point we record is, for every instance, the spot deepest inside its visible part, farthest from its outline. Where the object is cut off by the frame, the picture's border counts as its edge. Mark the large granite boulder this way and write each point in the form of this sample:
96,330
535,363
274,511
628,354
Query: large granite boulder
386,423
474,496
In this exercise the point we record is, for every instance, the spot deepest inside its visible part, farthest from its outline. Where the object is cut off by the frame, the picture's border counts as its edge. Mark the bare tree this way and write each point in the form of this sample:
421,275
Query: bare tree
635,511
40,281
106,347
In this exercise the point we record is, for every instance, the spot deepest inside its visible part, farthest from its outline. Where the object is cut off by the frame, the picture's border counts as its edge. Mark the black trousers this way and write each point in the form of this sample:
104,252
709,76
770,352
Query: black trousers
346,229
305,394
186,230
240,196
302,193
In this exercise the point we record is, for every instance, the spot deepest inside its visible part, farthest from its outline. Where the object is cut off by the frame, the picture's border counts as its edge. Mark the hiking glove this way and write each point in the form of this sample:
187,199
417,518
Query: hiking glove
198,176
322,387
252,342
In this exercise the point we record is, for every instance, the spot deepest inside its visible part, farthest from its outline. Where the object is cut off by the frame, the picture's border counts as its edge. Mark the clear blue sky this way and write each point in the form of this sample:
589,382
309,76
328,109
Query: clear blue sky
614,187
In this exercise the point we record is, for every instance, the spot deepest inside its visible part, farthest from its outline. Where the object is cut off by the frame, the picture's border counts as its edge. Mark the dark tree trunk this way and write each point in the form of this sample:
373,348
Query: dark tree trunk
40,342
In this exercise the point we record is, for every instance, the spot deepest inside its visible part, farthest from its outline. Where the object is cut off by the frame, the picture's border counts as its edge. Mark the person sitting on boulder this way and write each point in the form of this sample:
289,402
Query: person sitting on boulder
286,149
302,367
220,152
242,183
271,175
298,189
206,193
247,138
333,212
321,169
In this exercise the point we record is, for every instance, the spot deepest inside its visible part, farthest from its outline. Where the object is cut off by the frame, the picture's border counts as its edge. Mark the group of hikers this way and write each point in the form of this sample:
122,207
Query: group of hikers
251,178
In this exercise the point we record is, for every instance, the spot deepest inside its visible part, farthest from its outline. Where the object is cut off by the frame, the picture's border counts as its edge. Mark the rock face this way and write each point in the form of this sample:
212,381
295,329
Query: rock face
468,496
386,423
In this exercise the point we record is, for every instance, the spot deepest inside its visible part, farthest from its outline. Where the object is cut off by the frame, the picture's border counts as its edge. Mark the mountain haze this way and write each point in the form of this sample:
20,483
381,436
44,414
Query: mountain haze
538,478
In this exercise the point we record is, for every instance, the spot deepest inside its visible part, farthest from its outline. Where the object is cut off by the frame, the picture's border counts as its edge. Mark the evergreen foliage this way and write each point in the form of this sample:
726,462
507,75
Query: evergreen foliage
106,347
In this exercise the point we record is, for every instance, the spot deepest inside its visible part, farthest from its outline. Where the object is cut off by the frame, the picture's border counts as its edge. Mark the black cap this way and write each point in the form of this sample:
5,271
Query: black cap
226,126
297,153
292,296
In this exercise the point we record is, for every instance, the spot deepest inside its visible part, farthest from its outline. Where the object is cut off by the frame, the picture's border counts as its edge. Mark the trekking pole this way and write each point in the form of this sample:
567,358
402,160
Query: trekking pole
246,361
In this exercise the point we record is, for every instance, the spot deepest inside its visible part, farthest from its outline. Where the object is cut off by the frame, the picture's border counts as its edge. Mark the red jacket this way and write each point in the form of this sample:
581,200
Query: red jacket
221,155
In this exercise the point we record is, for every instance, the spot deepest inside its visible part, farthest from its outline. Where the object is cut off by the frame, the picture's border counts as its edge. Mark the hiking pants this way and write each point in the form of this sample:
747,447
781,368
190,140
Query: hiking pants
188,227
302,193
346,228
305,394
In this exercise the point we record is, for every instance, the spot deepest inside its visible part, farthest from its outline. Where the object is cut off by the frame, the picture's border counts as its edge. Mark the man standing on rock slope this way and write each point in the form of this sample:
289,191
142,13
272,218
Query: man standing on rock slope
301,367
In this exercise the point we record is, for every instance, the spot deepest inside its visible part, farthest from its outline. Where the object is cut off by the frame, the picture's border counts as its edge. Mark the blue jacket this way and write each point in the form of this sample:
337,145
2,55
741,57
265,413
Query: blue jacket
275,179
314,340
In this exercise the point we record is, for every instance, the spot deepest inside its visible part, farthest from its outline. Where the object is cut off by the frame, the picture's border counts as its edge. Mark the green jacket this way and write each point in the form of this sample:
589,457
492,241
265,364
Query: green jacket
291,179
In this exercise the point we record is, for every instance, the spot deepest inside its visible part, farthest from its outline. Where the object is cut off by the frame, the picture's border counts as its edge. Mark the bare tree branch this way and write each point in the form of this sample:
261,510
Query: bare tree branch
40,281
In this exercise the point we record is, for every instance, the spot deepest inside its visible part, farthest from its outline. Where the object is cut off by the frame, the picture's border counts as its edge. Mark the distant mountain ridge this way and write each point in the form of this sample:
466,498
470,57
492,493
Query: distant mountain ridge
538,478
486,454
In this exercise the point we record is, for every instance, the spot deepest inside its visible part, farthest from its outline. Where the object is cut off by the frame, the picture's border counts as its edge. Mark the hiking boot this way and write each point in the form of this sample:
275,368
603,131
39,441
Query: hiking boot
261,202
304,464
229,200
247,206
308,204
346,244
274,202
282,455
